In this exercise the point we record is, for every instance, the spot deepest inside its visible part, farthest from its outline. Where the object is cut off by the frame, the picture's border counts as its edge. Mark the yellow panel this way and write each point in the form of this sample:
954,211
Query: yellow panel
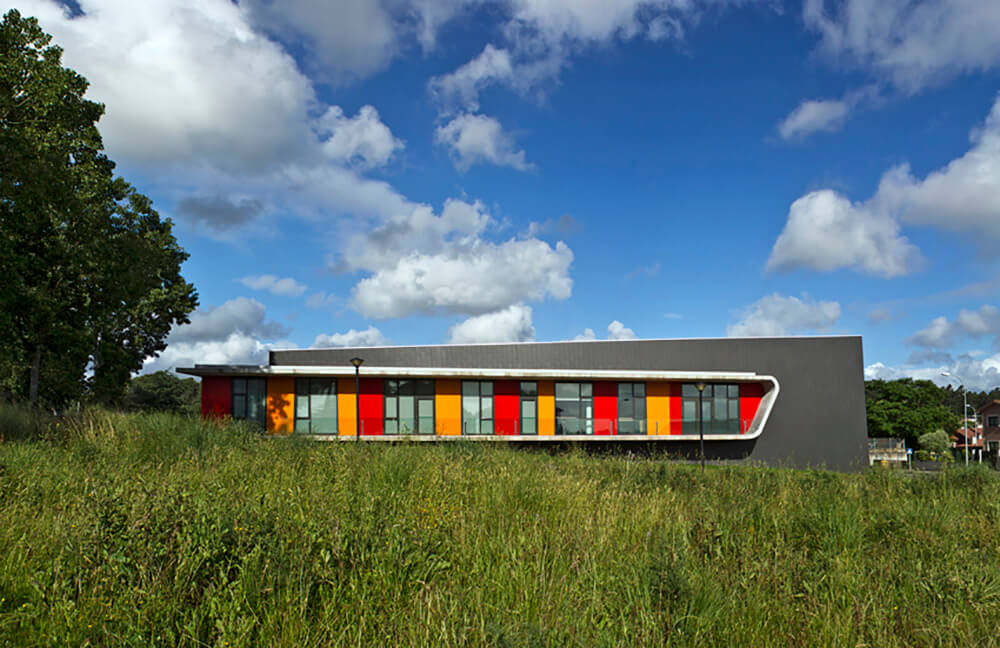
448,407
346,407
546,407
658,407
280,405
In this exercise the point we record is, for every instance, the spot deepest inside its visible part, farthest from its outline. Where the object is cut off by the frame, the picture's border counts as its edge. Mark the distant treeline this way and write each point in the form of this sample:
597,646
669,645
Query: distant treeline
908,408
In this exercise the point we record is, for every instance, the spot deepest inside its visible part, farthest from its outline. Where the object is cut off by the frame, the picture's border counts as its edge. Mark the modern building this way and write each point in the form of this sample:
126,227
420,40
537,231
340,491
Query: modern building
990,416
781,401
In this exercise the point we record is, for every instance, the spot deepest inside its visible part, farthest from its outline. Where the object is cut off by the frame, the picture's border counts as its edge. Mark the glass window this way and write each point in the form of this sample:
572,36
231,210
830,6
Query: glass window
720,409
477,407
315,405
993,421
249,399
631,408
529,408
408,406
574,408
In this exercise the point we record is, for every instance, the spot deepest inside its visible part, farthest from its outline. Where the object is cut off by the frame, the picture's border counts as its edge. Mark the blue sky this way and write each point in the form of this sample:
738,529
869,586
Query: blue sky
428,171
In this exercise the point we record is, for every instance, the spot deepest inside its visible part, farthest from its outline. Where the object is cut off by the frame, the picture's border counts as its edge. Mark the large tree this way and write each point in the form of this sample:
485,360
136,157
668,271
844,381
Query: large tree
907,408
91,273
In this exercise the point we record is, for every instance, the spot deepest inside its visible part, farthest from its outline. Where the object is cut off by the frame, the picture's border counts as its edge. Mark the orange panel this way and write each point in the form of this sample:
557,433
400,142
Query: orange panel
546,407
658,407
347,414
280,405
448,407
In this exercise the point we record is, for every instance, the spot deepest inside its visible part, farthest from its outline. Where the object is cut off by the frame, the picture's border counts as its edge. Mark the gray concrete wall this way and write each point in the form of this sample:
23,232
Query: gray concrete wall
817,421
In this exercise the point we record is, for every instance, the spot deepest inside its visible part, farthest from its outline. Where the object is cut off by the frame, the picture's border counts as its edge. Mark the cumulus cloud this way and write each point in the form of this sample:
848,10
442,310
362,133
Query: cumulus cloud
616,331
511,324
473,139
976,373
237,332
286,287
474,277
943,333
184,81
240,315
777,315
370,336
825,230
363,139
911,44
812,116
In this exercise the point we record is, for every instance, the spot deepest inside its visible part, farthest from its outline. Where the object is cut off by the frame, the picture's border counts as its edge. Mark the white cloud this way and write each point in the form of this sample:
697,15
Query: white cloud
473,277
363,140
943,333
461,88
825,231
370,336
812,116
350,39
286,287
184,80
511,324
976,373
473,139
912,44
234,333
247,317
618,331
776,315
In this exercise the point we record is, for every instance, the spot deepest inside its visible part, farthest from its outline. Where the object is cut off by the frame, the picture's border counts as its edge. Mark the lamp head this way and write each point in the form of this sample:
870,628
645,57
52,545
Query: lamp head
357,362
700,386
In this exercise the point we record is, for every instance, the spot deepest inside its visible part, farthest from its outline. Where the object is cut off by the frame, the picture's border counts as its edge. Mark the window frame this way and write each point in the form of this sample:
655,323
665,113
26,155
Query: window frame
689,396
523,398
308,395
638,422
479,417
245,394
585,422
418,395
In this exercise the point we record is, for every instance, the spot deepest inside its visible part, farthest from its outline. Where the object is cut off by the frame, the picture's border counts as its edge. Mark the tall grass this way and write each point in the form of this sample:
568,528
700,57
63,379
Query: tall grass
158,530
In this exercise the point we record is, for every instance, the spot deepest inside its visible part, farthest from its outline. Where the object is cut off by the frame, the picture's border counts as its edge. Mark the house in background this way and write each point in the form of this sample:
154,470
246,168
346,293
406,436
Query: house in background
990,414
971,438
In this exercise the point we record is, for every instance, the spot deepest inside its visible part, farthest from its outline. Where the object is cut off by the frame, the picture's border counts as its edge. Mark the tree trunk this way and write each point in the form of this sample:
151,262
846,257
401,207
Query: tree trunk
36,367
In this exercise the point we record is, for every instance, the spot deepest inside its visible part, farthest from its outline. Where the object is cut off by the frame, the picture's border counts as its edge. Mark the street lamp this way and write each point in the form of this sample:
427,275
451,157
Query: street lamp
357,362
965,420
701,424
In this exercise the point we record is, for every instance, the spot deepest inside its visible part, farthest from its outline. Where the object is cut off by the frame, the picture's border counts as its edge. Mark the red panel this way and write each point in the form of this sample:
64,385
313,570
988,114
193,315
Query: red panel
605,407
216,396
676,412
506,406
750,395
370,406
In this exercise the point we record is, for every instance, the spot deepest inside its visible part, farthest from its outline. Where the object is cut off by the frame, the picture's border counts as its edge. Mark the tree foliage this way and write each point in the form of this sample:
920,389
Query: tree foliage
907,408
91,272
163,392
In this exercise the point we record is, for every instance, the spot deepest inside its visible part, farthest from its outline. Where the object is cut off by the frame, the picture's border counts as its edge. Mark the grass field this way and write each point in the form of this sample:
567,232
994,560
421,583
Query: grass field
128,530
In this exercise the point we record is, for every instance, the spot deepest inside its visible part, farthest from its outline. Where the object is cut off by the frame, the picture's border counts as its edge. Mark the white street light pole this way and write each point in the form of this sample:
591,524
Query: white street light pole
965,420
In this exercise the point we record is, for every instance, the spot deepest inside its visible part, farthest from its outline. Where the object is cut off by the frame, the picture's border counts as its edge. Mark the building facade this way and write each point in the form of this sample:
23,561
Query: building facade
990,416
780,401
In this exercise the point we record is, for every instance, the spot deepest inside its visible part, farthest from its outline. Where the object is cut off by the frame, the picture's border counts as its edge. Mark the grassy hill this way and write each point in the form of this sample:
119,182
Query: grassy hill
138,530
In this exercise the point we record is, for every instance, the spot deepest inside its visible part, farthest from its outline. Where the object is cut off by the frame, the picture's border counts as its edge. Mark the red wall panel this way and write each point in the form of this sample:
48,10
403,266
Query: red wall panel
506,406
216,396
750,395
676,411
370,406
605,407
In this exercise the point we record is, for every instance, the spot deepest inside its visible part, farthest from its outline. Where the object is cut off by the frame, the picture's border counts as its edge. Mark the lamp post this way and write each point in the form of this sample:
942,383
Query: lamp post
357,362
975,427
965,420
701,424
